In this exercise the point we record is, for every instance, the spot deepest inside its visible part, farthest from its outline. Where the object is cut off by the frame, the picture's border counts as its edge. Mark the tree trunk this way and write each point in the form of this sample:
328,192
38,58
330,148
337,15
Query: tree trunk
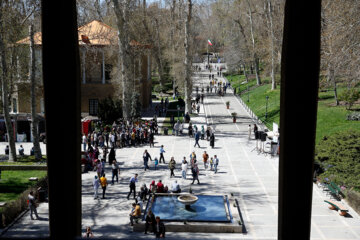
245,73
172,32
273,83
187,62
5,93
255,58
331,77
35,122
158,56
122,15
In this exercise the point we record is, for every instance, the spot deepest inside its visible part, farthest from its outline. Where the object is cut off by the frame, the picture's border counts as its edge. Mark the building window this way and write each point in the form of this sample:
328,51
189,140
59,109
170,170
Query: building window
42,106
108,69
93,106
14,105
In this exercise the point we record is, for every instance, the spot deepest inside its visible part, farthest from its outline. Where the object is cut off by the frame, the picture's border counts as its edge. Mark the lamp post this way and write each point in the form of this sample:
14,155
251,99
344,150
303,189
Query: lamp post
248,92
178,109
267,98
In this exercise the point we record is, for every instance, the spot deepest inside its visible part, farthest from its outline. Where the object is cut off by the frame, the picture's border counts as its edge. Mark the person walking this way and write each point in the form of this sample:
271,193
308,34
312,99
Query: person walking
216,163
197,138
205,159
207,133
151,139
150,221
184,167
112,155
146,157
202,132
98,168
156,162
115,172
249,131
159,228
32,206
162,153
84,142
96,185
195,173
172,165
132,185
212,140
211,163
103,183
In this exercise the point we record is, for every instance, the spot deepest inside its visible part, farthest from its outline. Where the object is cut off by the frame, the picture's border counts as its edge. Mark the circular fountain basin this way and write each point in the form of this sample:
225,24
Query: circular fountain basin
187,199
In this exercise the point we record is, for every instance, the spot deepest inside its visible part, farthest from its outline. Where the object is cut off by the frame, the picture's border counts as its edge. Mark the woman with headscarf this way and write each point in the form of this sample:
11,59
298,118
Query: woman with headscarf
152,187
112,155
212,140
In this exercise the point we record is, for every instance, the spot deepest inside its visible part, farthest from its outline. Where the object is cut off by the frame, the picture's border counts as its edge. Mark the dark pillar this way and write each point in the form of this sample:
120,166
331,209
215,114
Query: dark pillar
61,73
299,92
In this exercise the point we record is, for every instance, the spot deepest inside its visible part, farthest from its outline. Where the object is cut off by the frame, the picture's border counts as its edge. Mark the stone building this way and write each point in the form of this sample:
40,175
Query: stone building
98,48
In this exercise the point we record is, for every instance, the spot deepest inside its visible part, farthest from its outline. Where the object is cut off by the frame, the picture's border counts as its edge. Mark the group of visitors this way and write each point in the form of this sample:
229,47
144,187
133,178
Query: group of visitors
161,109
123,134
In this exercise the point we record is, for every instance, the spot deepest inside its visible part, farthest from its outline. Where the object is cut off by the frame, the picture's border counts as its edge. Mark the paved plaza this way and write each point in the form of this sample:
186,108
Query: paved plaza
251,177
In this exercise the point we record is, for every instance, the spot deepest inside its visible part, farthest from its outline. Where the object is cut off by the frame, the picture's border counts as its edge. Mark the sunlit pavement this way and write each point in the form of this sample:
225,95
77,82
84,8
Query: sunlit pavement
250,176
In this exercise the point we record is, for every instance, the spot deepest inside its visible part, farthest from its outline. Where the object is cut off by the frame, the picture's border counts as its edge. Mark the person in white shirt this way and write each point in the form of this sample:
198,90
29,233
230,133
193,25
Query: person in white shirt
175,187
21,151
32,205
96,185
181,128
84,142
184,167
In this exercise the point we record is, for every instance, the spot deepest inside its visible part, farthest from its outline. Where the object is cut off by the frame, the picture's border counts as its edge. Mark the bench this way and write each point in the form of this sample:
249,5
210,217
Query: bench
337,206
331,191
336,188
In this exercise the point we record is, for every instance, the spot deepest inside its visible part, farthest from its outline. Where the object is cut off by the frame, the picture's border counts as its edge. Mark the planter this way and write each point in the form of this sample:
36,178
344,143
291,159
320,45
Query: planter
342,213
331,207
227,106
234,120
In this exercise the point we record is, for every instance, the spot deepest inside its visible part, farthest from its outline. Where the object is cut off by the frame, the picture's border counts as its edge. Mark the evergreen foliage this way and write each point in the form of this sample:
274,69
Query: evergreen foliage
350,96
135,109
340,157
109,110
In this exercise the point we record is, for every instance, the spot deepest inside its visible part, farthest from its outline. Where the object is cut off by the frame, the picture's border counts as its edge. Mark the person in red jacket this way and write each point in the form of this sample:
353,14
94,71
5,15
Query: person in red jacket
160,187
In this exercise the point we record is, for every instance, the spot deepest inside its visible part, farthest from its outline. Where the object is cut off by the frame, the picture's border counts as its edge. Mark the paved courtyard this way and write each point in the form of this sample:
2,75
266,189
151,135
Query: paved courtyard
253,178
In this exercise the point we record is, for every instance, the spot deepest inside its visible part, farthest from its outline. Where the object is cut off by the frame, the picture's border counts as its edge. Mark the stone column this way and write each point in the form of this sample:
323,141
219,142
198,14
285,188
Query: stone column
83,66
103,66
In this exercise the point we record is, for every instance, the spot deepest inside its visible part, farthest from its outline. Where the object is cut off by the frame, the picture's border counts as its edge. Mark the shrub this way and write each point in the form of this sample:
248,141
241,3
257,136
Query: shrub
350,96
353,198
10,212
355,116
109,110
339,155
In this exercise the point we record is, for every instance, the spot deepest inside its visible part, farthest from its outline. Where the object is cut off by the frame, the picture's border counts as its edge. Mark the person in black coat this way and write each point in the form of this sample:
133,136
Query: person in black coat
159,228
150,220
212,140
112,155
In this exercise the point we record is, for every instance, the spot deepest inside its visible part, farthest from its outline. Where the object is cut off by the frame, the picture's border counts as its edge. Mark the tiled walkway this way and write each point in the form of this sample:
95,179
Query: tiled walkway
253,178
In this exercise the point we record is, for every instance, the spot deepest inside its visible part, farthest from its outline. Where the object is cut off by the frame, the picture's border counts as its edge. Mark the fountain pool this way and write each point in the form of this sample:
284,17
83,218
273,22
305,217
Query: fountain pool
207,208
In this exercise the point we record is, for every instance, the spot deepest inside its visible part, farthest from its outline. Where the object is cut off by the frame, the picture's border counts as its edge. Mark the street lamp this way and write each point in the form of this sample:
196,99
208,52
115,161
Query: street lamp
178,109
248,92
267,98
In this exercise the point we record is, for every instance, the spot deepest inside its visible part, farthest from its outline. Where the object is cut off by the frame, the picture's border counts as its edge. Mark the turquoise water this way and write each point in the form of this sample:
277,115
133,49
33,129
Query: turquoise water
206,209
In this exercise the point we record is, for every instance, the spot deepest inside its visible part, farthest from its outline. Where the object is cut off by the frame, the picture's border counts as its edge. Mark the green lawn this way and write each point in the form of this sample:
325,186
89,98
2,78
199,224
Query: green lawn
330,120
13,183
